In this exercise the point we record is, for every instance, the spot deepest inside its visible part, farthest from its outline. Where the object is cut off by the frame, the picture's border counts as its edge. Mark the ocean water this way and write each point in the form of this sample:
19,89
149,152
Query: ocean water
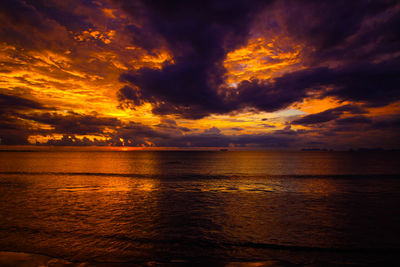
206,208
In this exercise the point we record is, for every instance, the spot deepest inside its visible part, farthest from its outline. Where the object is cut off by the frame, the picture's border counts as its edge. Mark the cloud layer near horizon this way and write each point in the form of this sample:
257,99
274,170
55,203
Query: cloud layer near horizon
275,74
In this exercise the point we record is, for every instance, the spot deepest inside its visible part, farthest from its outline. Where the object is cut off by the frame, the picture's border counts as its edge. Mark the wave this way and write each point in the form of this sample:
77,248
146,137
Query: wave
208,175
384,250
202,242
205,243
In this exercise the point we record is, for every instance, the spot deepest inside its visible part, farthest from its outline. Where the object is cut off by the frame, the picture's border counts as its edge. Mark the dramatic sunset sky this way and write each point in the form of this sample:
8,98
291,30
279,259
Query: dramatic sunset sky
246,74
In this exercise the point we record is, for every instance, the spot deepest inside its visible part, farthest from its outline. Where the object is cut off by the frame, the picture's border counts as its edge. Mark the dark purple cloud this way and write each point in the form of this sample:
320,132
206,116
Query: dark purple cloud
24,26
354,120
328,115
359,36
73,123
237,129
350,131
387,122
10,103
14,130
129,97
327,24
65,15
72,140
199,34
350,53
15,126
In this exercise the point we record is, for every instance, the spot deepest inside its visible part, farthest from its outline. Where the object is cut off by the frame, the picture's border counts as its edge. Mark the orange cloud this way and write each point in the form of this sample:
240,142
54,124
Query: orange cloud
262,59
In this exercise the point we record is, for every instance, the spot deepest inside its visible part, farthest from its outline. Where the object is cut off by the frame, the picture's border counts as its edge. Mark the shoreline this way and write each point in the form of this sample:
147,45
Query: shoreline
24,259
13,258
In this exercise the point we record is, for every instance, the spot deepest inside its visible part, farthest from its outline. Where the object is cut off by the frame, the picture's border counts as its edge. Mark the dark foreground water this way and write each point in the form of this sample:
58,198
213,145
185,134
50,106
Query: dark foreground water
205,208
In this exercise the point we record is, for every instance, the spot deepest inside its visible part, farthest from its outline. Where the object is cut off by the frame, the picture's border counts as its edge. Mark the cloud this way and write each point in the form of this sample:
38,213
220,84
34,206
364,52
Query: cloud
25,26
13,129
328,29
129,96
166,134
237,129
266,125
328,115
73,123
16,127
199,35
72,140
212,131
143,73
387,122
354,120
17,103
372,84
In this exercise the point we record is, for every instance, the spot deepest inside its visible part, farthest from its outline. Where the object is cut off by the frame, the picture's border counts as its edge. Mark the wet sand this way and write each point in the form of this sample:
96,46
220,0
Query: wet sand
31,260
21,259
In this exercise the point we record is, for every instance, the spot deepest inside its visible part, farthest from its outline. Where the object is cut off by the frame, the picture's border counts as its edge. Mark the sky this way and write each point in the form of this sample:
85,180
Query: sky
241,74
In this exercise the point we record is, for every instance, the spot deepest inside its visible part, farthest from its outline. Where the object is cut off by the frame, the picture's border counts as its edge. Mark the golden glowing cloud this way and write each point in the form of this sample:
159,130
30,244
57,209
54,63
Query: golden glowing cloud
77,70
261,59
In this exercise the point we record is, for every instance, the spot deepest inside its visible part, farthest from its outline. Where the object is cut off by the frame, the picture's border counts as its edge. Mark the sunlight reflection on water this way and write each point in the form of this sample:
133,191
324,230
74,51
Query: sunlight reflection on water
139,206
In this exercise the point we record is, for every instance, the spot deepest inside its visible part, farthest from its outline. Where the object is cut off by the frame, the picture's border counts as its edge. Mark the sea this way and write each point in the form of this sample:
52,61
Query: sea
200,208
